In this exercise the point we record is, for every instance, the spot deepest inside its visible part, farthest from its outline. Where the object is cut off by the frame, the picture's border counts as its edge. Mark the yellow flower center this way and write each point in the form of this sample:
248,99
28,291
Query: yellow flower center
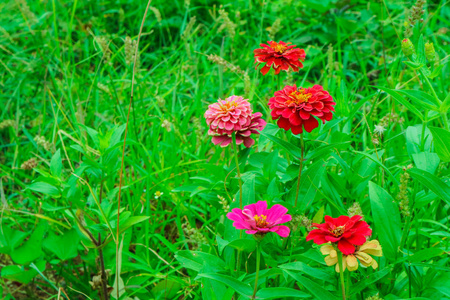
298,97
278,47
261,220
338,231
227,106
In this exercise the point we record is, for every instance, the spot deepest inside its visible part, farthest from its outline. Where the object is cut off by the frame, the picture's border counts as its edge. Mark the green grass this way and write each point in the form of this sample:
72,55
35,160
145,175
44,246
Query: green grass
58,81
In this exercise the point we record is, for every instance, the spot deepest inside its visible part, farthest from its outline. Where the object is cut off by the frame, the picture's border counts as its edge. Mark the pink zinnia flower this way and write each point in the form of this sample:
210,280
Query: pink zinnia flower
233,114
279,56
295,108
345,231
259,220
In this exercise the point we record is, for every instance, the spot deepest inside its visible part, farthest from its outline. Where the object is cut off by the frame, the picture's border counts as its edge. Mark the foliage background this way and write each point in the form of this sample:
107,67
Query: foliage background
59,82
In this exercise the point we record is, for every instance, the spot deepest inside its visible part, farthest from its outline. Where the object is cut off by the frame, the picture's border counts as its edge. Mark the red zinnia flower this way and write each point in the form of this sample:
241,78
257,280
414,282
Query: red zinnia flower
259,220
233,115
345,231
295,107
279,56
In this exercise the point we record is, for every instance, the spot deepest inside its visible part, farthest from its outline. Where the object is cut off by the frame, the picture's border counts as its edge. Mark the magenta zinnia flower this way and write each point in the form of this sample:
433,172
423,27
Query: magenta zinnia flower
233,114
295,108
346,232
259,220
279,56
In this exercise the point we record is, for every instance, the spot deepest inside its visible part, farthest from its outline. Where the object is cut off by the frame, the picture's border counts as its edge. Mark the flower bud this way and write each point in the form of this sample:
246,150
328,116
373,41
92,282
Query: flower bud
430,53
408,47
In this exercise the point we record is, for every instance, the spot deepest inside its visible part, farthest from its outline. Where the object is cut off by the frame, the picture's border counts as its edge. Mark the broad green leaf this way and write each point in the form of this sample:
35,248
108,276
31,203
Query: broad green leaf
425,254
20,274
426,161
310,271
195,260
315,289
375,160
56,164
323,151
291,148
270,165
432,182
413,135
10,239
369,281
63,246
240,287
422,99
387,220
442,283
247,245
399,98
32,248
309,184
441,138
248,191
280,293
44,188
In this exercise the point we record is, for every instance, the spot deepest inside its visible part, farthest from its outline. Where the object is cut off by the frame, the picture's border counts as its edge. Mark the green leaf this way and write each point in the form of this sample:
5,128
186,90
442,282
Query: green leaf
426,161
375,160
425,254
56,164
421,99
323,151
442,283
432,182
291,148
441,138
394,94
247,245
309,184
248,191
369,281
63,246
315,289
10,239
310,271
387,220
20,274
280,293
195,260
44,188
445,106
237,285
413,137
32,248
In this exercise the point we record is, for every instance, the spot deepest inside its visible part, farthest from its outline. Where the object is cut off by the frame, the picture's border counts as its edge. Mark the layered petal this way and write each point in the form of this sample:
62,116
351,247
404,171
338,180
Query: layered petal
301,109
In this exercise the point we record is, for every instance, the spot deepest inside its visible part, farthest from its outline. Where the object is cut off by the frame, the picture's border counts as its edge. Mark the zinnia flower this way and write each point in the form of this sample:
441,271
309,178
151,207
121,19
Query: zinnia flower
295,108
259,220
233,115
279,56
351,261
346,232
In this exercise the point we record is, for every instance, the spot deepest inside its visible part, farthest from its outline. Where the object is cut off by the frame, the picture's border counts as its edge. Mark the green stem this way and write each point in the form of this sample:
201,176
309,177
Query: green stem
237,168
238,260
341,272
431,87
258,260
300,168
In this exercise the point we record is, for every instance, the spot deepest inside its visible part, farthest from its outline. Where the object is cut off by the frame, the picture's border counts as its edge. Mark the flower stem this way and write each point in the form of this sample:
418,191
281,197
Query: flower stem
258,260
302,144
341,273
238,260
237,169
